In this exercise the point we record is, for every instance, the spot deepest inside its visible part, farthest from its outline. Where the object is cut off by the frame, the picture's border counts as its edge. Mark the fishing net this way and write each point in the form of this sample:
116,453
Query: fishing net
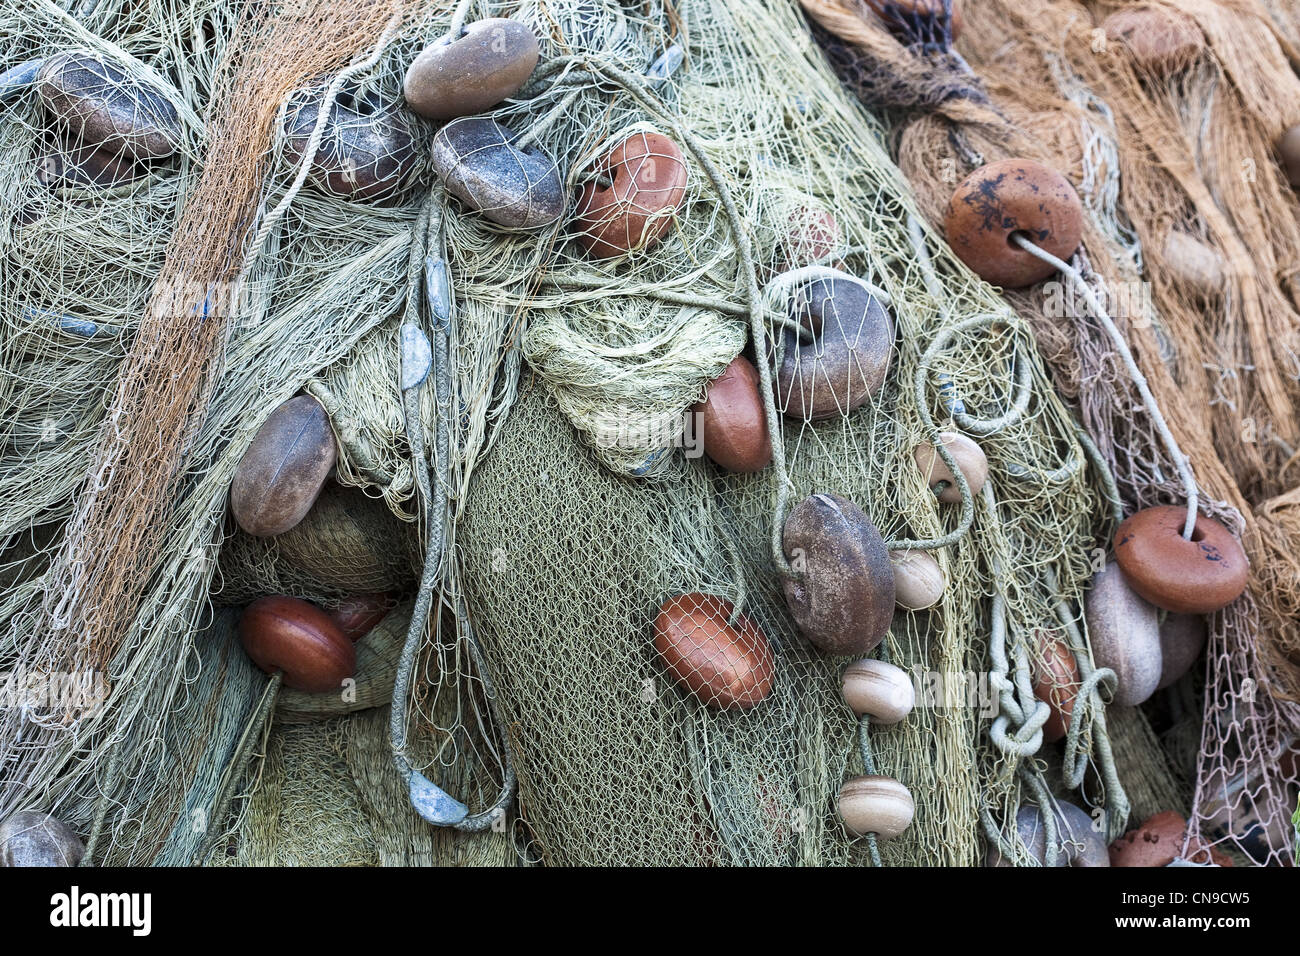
1102,132
123,360
537,478
576,530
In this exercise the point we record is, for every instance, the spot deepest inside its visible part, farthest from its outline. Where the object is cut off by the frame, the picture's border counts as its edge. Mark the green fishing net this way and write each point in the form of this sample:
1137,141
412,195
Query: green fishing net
570,542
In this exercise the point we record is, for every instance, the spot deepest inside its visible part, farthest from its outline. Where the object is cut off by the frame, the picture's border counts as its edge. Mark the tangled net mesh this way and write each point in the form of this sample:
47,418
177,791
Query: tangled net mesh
559,495
1217,352
585,514
319,278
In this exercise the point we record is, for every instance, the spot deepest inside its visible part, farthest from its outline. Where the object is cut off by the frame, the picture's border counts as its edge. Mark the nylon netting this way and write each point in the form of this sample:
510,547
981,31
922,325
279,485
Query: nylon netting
549,426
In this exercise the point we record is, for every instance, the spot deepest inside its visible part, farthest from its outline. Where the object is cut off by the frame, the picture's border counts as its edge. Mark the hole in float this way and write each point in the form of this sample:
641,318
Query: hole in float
1018,234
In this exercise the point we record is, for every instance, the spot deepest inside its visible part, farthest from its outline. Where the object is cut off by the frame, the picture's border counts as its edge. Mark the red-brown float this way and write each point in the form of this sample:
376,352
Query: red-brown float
636,209
1002,200
724,665
287,635
1197,576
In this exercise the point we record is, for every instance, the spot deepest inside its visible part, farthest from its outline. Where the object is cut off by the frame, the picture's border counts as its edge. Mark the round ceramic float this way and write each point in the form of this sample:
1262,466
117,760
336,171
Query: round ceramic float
918,580
1002,200
647,183
1197,576
876,804
1289,148
723,663
358,615
971,462
731,421
284,634
878,690
1157,39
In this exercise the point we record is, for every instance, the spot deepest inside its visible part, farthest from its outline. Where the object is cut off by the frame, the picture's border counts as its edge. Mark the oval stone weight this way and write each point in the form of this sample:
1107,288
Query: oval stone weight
1124,632
284,469
100,104
1182,638
367,149
879,690
841,594
489,62
1158,841
1078,842
38,839
477,161
1289,149
848,360
74,165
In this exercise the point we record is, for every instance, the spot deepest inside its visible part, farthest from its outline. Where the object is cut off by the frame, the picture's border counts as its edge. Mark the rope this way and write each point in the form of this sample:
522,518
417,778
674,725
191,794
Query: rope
1027,720
1093,714
429,237
868,767
1139,380
317,134
456,29
868,761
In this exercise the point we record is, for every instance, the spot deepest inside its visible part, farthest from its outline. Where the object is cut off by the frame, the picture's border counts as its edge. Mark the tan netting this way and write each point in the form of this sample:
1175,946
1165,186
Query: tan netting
1149,156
